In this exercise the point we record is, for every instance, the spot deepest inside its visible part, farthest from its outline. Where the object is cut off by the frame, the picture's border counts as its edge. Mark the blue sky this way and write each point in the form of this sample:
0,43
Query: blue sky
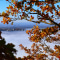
4,4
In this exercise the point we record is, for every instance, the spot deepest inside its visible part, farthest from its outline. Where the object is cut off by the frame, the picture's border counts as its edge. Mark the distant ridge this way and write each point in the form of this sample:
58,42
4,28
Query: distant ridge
21,26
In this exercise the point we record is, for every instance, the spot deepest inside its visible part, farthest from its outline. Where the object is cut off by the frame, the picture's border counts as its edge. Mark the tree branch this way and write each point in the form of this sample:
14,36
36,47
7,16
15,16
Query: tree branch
46,18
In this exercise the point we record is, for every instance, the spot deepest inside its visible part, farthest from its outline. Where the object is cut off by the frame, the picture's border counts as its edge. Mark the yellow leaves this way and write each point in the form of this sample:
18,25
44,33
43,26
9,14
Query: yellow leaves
3,13
42,35
37,27
10,7
34,35
47,6
25,4
12,10
12,1
30,19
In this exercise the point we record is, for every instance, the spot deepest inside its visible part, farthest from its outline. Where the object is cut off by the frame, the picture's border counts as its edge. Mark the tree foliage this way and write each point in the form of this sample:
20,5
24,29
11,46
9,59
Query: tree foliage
7,50
24,9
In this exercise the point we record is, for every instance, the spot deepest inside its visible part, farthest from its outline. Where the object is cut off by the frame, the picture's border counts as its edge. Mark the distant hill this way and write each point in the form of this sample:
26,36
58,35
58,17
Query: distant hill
21,26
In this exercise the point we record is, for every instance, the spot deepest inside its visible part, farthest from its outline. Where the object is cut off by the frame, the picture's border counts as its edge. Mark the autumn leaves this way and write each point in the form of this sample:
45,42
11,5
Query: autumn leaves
36,34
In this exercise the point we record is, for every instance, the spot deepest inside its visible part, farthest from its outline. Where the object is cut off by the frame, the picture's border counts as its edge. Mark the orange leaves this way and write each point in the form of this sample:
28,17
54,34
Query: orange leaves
6,19
40,3
22,47
18,7
43,9
32,2
12,10
36,34
31,18
37,27
4,14
35,52
59,12
10,7
43,34
7,11
56,52
42,56
58,57
34,37
27,31
47,6
31,9
57,47
34,11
